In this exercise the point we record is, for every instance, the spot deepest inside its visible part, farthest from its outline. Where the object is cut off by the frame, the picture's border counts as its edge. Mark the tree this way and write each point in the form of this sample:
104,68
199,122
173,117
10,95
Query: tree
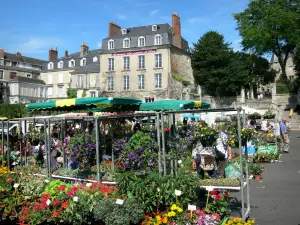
211,56
271,26
72,93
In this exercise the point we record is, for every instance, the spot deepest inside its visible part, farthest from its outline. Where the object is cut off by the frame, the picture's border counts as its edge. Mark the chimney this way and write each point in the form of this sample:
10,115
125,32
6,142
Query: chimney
176,27
53,54
18,53
66,53
84,49
113,29
1,53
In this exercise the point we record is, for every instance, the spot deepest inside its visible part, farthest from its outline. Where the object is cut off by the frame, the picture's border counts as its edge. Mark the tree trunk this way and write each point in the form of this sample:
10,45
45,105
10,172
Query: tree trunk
282,63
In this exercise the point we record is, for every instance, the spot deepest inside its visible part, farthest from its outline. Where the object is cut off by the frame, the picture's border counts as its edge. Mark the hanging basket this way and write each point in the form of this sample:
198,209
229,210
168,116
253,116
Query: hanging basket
208,142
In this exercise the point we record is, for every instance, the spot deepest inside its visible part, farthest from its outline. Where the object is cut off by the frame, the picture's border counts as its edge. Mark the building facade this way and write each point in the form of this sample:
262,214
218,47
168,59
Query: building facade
147,62
290,72
78,71
20,79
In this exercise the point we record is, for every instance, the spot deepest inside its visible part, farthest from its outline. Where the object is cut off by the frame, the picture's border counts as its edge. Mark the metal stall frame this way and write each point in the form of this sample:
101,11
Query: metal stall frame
244,182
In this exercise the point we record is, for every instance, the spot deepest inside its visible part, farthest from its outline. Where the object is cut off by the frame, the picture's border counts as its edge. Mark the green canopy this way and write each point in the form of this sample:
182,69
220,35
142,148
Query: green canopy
83,103
165,105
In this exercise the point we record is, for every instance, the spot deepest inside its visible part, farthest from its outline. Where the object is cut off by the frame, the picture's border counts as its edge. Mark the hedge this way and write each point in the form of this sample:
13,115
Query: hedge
11,111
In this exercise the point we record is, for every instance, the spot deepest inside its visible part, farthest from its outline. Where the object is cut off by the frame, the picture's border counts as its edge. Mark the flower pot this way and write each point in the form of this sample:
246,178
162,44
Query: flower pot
255,160
257,177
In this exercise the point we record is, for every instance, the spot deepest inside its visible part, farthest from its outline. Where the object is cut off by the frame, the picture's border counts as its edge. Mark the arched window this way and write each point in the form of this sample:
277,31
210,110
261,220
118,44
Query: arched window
126,43
83,62
111,44
72,63
157,39
95,59
141,42
61,65
50,66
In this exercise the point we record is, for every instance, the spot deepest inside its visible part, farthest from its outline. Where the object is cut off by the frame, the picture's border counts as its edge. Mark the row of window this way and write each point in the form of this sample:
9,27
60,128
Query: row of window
141,62
141,42
141,82
60,91
72,63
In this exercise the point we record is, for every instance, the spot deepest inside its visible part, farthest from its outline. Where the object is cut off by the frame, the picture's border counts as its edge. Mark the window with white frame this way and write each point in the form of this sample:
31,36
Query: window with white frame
50,79
126,43
126,82
124,31
95,59
60,91
1,75
79,81
50,90
111,44
93,94
72,63
141,80
141,41
126,63
60,78
158,80
83,62
50,66
154,27
110,83
42,92
29,75
158,60
61,65
141,62
157,39
111,64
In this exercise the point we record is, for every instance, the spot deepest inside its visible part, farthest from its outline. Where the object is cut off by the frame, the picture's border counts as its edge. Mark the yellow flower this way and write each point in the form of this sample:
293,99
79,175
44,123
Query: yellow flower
158,217
230,222
171,214
179,209
165,220
173,207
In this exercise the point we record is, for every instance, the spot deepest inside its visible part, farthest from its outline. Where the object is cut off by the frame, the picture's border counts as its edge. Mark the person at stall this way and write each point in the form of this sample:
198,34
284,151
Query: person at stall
137,127
291,113
284,135
223,154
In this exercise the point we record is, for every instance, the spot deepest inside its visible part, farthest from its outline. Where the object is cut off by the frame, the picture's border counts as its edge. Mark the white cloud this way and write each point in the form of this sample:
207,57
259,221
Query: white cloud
121,16
154,12
36,45
194,20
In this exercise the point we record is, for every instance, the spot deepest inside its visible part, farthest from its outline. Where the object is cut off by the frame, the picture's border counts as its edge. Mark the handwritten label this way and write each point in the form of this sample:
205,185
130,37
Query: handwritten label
178,193
192,208
120,201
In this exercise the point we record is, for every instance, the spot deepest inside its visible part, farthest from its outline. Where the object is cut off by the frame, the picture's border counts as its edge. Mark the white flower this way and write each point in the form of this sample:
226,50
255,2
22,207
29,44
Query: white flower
75,199
16,185
179,161
48,202
89,184
46,181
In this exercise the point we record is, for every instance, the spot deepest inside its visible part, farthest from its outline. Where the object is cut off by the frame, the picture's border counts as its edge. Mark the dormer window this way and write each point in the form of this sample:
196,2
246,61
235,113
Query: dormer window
157,39
124,31
72,63
111,44
141,41
126,43
50,66
154,27
95,59
60,65
83,62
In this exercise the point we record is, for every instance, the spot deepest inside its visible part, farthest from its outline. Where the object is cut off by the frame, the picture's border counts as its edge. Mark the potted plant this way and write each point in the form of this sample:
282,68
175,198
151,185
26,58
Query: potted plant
257,172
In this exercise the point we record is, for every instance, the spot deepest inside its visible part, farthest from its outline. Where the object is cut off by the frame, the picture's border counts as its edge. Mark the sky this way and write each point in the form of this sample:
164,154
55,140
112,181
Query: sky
34,26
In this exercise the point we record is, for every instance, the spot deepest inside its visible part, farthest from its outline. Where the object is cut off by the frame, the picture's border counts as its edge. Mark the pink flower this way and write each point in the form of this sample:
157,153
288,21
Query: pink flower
70,193
56,202
62,188
74,188
36,207
46,196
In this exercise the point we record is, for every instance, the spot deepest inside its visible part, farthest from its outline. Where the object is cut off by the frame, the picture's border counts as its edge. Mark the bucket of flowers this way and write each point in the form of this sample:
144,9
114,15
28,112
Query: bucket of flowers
248,134
206,135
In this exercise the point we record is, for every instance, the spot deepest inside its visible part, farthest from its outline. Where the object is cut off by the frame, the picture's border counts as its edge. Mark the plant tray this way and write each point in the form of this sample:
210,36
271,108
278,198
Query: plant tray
224,187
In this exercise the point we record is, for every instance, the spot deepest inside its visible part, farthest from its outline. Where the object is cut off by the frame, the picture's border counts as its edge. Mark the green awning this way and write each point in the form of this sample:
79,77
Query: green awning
83,103
165,105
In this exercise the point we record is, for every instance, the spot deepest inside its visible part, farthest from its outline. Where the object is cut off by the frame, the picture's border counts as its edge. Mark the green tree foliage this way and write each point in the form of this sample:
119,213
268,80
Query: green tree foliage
72,93
271,26
11,111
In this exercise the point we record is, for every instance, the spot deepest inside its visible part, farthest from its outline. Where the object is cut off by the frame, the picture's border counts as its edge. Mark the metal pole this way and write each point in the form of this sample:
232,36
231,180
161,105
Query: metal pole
244,118
241,163
26,144
7,144
21,139
97,151
275,126
64,150
2,142
159,144
46,146
163,144
62,142
49,148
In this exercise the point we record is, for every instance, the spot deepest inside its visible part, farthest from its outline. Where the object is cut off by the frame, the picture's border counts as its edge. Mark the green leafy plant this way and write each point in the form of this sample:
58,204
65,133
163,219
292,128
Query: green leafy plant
53,186
219,204
227,182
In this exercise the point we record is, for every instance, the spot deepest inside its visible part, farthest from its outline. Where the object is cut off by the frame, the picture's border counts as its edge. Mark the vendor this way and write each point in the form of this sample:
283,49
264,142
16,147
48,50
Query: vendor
223,154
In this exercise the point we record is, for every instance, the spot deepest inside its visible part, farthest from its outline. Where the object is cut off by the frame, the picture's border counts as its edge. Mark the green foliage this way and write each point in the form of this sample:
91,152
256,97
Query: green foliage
72,92
33,188
83,94
270,27
156,192
11,111
131,212
180,79
282,88
52,187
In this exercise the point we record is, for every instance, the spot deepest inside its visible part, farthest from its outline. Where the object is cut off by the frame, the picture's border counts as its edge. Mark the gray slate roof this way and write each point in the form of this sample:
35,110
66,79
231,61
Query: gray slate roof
14,68
90,68
24,59
28,80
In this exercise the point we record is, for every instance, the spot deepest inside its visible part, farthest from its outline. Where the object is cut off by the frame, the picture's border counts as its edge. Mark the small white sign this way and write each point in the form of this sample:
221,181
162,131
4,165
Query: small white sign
16,185
178,193
48,202
89,184
46,181
120,201
192,208
75,199
209,188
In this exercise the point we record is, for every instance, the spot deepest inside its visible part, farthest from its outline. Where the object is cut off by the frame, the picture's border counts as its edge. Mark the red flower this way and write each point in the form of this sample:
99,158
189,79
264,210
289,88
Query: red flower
37,207
9,180
27,203
62,188
47,196
56,202
75,188
217,197
70,193
65,205
225,195
54,214
44,206
213,192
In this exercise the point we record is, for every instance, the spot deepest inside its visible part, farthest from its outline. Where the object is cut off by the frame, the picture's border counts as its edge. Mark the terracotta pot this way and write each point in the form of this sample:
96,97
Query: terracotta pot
255,160
257,177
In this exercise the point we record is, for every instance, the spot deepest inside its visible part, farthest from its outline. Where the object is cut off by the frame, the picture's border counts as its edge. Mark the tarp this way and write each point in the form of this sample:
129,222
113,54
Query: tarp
83,103
164,105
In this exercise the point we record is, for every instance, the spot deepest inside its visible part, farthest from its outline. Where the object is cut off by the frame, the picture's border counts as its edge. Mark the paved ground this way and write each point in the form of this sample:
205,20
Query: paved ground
276,198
